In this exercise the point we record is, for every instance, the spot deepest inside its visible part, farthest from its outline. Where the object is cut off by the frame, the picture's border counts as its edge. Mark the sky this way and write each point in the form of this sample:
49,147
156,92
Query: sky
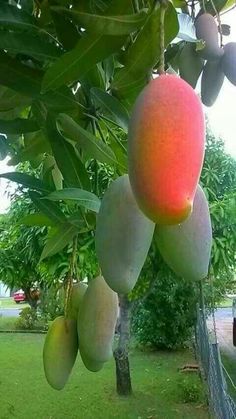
222,117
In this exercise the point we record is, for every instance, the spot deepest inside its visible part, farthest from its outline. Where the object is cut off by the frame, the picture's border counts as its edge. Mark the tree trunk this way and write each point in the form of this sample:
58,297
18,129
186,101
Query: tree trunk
123,379
30,298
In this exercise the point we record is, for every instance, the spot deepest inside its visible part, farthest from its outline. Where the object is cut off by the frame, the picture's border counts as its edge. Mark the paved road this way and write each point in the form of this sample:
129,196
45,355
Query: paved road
10,312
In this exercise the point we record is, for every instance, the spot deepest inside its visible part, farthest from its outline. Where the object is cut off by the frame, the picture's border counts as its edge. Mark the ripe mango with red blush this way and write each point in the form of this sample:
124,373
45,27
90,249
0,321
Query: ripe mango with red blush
166,145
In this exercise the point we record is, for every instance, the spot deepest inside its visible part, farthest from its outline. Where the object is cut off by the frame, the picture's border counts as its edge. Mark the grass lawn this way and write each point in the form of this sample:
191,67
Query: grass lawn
159,388
230,365
7,323
8,302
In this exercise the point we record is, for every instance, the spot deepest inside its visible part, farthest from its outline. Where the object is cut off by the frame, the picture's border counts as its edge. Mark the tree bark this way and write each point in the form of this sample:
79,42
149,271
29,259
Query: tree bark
30,298
121,355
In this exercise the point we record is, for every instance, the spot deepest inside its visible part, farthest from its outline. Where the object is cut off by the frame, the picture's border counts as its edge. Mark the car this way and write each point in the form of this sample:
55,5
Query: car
19,296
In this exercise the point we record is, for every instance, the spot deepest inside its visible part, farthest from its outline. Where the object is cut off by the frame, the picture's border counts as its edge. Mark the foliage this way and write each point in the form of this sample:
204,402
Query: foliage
165,317
28,320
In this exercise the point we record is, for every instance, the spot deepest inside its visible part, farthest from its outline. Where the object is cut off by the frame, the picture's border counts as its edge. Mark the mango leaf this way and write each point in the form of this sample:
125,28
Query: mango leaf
18,126
37,219
107,25
187,30
73,65
50,209
90,50
144,53
27,181
33,45
85,198
95,147
9,99
3,147
112,106
67,32
70,165
12,17
27,81
190,64
63,236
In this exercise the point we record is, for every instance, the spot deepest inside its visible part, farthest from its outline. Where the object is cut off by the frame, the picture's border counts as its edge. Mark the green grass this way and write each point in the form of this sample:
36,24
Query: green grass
8,302
7,323
230,365
159,388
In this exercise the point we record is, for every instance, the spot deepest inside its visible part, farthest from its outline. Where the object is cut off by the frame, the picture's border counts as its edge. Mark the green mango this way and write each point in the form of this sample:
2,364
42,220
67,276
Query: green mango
186,247
60,351
77,294
91,365
190,64
96,323
229,62
123,236
212,81
207,30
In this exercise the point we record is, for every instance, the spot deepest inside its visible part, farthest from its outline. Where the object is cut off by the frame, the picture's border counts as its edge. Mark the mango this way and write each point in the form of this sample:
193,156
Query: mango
91,365
96,323
186,247
190,64
229,62
166,149
207,30
77,294
211,82
60,351
123,236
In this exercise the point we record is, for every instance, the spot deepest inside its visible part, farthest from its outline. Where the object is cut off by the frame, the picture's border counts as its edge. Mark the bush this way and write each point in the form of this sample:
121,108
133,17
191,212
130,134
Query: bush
189,390
165,318
51,303
28,320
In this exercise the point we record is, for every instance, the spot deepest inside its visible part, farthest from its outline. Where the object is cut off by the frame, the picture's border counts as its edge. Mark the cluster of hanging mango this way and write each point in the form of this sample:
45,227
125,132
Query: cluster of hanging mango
160,198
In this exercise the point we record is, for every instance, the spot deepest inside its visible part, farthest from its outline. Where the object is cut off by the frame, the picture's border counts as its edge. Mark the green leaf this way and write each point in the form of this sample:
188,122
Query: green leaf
27,81
37,219
63,236
27,181
33,45
14,18
73,65
95,147
144,53
90,50
3,147
112,106
85,198
9,99
50,209
70,165
18,126
106,25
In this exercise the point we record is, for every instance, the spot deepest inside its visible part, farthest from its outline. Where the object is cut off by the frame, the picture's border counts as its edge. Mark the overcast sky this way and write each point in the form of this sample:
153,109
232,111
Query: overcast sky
222,116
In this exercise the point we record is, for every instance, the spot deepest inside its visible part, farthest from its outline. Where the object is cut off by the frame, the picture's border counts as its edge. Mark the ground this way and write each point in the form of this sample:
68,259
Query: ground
160,389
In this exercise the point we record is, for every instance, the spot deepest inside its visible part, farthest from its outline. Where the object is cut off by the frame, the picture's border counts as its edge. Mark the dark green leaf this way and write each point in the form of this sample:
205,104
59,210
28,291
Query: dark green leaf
144,53
27,81
50,209
9,99
14,18
3,147
89,50
110,105
67,32
70,165
82,197
33,45
27,181
96,148
190,64
106,25
18,126
37,219
63,236
73,65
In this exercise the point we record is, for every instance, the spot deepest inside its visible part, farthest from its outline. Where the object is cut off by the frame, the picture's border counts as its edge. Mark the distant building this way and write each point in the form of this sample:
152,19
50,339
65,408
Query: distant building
4,291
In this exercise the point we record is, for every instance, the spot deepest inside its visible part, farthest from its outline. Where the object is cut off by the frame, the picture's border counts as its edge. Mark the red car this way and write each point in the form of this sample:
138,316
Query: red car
19,296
